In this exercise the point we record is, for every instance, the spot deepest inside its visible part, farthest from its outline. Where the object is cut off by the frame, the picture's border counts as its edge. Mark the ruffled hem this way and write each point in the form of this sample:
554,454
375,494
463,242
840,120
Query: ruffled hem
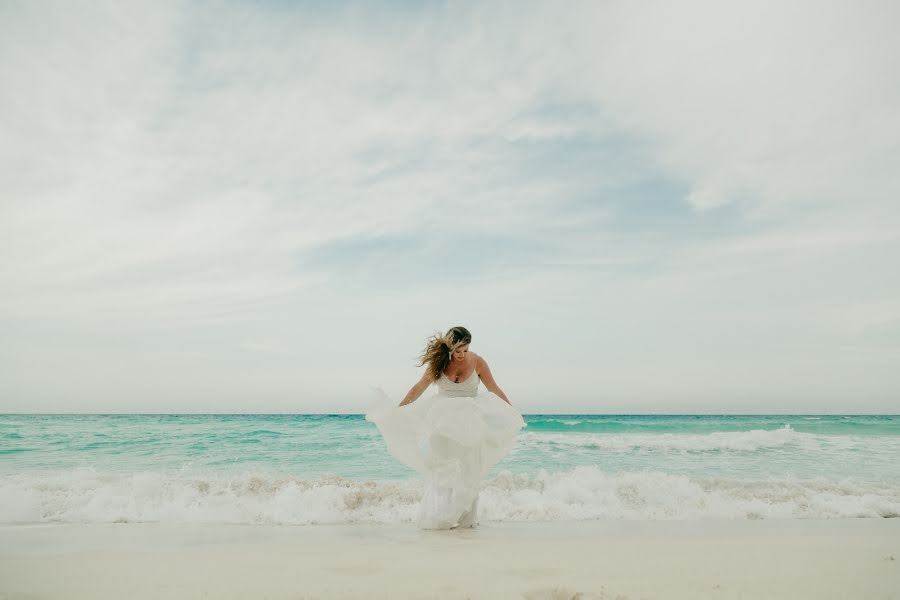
438,509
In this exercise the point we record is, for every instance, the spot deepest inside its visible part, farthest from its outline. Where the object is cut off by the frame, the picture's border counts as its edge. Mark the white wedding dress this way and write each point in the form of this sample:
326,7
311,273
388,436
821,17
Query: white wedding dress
452,438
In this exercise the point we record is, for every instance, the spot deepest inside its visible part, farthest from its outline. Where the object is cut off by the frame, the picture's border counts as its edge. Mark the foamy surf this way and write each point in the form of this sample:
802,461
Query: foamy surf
88,496
745,441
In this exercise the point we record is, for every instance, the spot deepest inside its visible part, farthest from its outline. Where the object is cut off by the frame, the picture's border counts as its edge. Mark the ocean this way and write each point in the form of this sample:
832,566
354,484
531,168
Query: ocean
311,469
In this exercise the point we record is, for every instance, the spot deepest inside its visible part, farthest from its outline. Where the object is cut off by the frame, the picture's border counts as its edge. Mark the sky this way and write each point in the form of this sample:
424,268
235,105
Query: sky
635,207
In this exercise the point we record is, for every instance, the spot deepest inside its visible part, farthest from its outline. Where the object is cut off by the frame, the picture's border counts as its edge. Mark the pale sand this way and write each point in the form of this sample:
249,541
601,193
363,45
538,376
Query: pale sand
842,558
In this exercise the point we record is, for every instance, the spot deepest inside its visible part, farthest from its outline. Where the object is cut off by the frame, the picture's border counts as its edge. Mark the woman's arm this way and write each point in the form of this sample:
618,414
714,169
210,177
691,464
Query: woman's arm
416,390
484,371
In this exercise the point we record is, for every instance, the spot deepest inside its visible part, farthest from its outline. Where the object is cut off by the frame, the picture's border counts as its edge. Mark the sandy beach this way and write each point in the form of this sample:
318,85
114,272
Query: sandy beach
821,559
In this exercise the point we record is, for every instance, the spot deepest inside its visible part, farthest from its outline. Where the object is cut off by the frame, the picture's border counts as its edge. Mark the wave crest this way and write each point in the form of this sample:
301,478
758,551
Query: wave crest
741,441
585,492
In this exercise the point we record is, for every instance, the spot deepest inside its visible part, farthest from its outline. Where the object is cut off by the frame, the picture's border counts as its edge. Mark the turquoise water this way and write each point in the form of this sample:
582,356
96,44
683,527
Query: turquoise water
303,468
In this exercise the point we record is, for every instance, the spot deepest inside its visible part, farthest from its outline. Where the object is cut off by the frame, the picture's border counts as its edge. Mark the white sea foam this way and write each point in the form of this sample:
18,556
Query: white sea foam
746,441
85,495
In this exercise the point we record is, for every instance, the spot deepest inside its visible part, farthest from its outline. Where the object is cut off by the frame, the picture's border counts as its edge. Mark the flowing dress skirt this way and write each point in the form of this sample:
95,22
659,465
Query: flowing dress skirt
453,442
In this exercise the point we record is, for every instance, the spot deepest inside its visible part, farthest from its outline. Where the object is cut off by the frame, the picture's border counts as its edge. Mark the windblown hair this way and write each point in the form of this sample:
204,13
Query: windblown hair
440,348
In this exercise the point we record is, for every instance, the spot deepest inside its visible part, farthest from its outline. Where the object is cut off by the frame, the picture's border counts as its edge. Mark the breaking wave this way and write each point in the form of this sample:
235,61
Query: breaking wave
585,492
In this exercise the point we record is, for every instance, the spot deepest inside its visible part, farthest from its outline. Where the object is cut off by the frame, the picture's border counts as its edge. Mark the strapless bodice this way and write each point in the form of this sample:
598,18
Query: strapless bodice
469,387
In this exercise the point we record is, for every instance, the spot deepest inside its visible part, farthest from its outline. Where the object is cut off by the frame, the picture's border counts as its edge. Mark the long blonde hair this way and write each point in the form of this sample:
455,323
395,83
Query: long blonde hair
440,348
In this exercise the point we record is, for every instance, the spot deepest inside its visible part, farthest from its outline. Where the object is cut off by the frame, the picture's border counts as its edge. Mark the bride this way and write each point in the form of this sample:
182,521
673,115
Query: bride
453,437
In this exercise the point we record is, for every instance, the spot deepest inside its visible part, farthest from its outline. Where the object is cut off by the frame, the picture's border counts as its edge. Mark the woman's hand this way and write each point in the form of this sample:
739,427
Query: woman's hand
416,390
484,371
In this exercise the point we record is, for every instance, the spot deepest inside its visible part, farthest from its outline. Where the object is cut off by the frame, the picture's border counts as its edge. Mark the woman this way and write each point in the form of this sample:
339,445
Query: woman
454,437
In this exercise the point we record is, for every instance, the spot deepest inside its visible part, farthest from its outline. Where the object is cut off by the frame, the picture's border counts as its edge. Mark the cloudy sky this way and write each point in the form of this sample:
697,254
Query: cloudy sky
635,207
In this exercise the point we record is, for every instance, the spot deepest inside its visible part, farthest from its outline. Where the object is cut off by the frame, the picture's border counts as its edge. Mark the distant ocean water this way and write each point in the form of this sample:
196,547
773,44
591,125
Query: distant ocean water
304,469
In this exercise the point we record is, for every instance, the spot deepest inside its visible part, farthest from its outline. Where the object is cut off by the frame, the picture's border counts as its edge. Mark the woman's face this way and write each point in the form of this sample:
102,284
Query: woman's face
460,352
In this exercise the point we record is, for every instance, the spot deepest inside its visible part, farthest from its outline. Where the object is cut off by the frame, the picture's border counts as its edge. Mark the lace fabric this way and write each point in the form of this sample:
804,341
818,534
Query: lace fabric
469,387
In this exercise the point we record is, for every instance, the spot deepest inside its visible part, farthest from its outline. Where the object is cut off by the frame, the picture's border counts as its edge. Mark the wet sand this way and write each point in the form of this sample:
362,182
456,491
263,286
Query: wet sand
822,559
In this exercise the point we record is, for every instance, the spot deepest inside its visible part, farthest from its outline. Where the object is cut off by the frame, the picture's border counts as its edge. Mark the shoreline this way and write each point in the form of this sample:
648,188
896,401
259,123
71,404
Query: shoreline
623,560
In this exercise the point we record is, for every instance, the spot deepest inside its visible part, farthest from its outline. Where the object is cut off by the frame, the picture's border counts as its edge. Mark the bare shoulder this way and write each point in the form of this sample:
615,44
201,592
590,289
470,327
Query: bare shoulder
480,363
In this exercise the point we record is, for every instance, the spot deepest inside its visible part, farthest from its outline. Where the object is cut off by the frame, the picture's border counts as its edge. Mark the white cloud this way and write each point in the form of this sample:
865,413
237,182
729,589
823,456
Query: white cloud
764,102
166,169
